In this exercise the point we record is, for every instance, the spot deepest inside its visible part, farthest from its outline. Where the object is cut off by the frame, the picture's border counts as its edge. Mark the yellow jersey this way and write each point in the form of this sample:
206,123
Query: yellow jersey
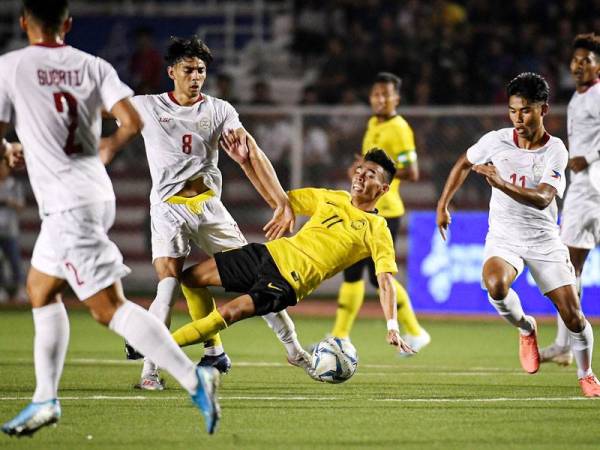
336,236
396,138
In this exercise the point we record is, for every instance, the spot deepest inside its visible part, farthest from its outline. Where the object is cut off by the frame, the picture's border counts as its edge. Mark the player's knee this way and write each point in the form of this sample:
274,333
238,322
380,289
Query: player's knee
574,319
497,288
103,311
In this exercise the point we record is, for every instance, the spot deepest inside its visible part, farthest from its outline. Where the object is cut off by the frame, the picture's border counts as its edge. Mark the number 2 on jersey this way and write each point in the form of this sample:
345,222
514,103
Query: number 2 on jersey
513,179
70,147
186,143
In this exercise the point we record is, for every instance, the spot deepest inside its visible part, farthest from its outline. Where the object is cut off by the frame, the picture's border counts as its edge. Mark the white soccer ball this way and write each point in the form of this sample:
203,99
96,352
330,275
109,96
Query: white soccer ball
334,360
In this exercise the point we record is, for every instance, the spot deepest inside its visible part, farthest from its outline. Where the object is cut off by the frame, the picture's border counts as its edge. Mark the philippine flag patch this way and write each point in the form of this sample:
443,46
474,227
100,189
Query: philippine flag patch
555,174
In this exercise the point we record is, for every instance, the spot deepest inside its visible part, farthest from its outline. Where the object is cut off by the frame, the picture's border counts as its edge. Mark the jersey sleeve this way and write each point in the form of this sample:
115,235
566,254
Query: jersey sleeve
554,169
382,249
481,151
593,153
406,154
227,117
305,201
112,89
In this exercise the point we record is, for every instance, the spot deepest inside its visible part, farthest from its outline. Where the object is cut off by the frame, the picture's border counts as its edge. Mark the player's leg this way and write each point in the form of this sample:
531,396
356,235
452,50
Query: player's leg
148,334
350,298
498,277
51,340
168,271
559,351
582,336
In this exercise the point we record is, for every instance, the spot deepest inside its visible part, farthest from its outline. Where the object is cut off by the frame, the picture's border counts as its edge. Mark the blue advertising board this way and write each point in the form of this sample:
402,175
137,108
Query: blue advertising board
445,276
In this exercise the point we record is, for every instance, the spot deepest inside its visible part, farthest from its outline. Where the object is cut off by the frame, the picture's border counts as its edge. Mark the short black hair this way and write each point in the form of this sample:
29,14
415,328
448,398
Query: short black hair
380,157
589,41
530,86
388,77
192,47
50,13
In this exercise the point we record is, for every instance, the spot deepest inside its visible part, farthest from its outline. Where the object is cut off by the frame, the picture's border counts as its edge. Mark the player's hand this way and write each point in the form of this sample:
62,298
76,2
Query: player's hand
235,145
577,164
393,338
14,156
443,220
283,221
358,159
490,173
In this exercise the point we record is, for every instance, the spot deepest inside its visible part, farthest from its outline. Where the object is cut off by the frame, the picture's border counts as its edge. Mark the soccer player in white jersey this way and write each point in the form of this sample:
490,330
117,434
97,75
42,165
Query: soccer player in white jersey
181,133
55,94
526,168
580,222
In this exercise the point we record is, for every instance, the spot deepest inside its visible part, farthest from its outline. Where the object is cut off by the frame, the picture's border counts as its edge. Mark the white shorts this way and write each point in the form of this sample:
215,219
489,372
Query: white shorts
73,245
550,265
580,221
211,228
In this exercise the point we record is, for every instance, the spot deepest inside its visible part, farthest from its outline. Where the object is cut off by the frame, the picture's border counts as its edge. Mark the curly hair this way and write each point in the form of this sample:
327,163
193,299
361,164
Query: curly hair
530,86
193,47
589,41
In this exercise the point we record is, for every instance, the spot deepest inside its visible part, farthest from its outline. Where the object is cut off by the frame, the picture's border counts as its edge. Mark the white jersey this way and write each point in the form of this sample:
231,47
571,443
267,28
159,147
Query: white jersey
583,126
182,141
56,94
509,220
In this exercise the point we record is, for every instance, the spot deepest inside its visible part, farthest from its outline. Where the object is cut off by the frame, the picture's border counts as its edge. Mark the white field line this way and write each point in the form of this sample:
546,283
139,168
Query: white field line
440,370
314,399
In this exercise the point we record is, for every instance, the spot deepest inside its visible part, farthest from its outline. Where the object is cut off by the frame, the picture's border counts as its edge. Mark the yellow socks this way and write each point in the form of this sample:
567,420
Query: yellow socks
200,330
350,300
200,304
406,315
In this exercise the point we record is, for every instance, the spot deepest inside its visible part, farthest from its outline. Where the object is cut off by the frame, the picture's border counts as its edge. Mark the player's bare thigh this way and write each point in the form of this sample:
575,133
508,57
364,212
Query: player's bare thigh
202,275
166,267
578,257
498,277
43,289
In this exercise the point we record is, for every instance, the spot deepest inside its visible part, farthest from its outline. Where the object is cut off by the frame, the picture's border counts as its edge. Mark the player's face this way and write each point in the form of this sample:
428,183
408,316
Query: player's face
384,99
189,75
368,181
585,66
526,116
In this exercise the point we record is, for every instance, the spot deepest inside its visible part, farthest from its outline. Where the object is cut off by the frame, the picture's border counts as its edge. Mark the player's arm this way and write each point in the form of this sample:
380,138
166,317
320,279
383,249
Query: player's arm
11,151
409,172
539,197
457,177
242,147
387,298
130,125
407,167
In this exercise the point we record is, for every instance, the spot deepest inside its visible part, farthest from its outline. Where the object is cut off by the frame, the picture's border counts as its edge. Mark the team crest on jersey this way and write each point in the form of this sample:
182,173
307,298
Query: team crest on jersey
538,171
204,123
358,224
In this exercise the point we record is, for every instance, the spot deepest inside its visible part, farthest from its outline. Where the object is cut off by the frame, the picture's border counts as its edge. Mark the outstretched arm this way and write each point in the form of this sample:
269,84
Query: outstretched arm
242,147
387,298
11,151
457,176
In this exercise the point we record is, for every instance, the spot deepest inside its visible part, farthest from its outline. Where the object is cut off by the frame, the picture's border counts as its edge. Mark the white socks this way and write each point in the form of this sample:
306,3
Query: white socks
510,309
150,337
282,325
160,308
563,338
49,349
582,344
164,300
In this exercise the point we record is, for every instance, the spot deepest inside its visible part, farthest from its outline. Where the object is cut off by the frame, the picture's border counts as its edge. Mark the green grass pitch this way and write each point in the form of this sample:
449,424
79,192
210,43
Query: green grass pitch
464,391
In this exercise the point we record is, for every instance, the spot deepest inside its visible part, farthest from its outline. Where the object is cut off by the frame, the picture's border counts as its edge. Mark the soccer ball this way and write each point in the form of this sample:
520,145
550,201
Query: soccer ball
334,360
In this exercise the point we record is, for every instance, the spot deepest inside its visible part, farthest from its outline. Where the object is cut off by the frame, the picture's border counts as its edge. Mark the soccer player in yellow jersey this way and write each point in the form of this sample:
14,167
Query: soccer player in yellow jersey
389,131
343,228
